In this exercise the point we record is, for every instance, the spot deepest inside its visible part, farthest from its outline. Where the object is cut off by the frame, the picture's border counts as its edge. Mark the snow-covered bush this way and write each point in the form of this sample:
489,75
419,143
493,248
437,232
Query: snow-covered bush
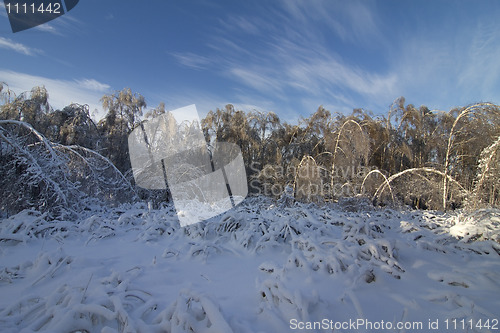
487,185
483,224
60,180
253,268
308,184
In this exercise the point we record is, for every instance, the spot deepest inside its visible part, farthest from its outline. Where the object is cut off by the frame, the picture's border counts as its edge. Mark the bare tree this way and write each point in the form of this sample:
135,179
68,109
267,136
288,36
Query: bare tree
124,110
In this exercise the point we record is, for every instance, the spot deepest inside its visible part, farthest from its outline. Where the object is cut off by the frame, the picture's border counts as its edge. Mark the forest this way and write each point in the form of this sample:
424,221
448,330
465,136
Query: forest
62,162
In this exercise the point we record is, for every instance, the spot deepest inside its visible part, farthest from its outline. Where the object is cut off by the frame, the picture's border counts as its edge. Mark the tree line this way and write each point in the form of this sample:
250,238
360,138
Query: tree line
411,155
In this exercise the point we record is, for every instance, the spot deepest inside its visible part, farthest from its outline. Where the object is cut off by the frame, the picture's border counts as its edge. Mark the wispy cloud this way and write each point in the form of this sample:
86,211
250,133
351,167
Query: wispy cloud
447,72
362,22
63,25
242,24
346,55
321,77
284,55
257,79
352,21
225,46
61,92
291,61
9,44
48,28
2,10
318,74
481,68
94,85
191,60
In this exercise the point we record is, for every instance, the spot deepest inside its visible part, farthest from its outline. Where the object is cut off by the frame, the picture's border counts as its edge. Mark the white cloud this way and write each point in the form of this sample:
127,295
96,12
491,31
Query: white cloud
298,74
317,74
191,60
9,44
444,73
61,92
257,79
94,85
48,28
481,69
345,55
64,25
227,47
293,62
353,21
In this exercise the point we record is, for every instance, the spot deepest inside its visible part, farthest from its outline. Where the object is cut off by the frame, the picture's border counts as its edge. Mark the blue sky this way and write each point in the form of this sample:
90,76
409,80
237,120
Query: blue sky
284,56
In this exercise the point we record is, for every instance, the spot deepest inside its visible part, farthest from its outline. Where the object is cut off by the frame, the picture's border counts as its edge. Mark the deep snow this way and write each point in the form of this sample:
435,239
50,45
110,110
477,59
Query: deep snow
261,267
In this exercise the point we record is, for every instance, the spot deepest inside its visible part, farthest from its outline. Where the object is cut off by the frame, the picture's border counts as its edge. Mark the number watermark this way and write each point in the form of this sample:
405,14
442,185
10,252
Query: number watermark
24,15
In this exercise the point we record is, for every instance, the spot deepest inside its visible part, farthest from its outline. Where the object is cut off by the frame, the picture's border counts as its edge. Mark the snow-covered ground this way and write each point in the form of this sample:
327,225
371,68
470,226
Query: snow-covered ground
261,267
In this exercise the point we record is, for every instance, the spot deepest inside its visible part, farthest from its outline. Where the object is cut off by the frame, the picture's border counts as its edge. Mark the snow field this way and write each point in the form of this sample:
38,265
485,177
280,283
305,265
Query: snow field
252,269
